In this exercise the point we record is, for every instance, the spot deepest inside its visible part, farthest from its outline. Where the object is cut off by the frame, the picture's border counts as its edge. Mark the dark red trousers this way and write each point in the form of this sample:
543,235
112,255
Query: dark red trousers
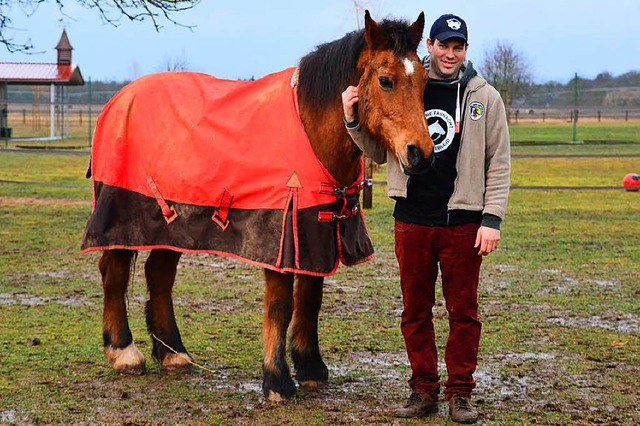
421,251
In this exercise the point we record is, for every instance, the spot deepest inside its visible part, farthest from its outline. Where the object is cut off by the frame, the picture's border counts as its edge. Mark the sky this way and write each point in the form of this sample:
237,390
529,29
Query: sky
244,39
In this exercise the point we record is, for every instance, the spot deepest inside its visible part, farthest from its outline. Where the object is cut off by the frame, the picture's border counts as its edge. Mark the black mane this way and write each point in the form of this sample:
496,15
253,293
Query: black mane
328,70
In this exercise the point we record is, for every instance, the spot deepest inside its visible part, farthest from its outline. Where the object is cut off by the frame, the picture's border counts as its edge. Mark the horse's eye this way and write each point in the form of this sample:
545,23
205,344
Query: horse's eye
385,83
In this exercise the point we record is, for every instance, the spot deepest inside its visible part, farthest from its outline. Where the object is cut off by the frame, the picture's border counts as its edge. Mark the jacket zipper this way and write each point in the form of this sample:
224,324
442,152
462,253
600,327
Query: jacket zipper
455,183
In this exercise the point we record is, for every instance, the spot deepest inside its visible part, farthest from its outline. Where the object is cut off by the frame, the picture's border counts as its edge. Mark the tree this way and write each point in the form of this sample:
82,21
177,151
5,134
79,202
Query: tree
625,98
506,70
110,11
359,6
176,63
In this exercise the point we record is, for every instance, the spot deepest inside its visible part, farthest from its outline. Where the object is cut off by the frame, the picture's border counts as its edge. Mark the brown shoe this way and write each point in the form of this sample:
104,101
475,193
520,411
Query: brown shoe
461,410
418,405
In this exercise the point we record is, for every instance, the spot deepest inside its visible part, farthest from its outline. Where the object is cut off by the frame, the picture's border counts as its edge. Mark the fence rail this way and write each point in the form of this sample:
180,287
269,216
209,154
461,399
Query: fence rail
536,114
33,120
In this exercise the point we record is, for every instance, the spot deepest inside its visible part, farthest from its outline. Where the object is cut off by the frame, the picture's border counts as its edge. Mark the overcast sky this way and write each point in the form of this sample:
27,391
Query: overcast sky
241,39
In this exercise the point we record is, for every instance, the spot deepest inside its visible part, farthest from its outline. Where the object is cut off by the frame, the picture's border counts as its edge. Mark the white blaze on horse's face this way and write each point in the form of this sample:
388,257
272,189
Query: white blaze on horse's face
408,66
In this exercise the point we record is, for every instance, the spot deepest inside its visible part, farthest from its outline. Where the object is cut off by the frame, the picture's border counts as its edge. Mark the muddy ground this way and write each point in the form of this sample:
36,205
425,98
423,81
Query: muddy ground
513,387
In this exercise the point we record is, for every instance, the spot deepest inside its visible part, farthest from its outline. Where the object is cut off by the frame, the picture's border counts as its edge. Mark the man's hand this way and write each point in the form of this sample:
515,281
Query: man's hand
349,99
487,240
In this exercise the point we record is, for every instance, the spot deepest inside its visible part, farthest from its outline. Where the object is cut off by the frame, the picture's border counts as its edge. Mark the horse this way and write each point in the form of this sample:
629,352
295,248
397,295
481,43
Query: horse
381,60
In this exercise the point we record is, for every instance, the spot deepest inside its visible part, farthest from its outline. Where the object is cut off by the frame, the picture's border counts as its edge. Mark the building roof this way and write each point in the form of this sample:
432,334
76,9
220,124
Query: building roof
64,41
26,73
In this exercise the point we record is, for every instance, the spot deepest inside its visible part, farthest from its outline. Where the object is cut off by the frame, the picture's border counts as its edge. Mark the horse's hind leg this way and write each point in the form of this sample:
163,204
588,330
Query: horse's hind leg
278,308
311,370
160,270
115,266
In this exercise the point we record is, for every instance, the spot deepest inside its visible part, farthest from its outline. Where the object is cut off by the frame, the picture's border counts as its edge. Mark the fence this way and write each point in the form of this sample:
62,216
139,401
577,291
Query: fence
600,100
543,115
29,121
33,120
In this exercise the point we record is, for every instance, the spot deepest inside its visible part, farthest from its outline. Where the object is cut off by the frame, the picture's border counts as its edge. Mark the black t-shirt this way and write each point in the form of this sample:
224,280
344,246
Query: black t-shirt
429,193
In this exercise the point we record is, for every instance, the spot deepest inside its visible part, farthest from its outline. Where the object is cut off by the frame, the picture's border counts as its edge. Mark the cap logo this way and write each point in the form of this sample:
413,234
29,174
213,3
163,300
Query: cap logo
454,24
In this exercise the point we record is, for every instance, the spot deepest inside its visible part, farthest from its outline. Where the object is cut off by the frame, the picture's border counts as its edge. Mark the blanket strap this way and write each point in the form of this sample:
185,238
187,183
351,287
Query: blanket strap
169,213
346,194
221,216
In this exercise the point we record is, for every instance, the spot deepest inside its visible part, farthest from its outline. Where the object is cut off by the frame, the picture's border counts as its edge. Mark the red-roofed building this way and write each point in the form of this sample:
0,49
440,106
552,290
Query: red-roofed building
55,75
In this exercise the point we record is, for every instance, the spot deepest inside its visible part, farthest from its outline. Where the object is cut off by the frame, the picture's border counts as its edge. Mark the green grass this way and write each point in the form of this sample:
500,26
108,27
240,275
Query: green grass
25,174
570,149
572,171
561,322
585,131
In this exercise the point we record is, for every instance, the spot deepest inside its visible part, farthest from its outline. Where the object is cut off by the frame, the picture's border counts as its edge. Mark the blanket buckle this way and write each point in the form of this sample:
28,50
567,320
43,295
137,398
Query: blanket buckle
168,212
221,215
327,216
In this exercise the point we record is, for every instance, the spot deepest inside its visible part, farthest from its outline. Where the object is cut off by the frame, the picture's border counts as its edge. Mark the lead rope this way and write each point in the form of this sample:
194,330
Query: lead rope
182,355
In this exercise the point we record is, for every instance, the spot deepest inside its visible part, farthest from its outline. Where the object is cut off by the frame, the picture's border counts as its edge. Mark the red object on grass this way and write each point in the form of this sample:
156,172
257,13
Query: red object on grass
631,181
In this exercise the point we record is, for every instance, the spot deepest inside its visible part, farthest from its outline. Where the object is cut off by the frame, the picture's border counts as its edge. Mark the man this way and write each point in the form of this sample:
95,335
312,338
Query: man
447,218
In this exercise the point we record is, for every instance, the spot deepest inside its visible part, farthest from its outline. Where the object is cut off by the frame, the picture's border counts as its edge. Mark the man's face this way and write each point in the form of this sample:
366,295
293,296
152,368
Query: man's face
447,57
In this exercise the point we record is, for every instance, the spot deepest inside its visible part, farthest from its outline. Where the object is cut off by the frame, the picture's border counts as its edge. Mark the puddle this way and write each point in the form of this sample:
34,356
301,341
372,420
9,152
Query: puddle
8,416
625,323
24,299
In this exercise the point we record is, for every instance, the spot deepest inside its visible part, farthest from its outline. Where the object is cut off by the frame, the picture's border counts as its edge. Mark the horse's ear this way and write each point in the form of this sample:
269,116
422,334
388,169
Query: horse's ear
373,35
416,30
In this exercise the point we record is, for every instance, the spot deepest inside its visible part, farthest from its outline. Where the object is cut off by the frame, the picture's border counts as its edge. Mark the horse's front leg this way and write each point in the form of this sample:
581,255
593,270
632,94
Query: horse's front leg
119,348
278,309
311,370
160,270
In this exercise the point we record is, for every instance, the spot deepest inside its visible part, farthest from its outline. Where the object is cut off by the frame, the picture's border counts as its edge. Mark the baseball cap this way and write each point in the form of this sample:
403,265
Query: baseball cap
448,26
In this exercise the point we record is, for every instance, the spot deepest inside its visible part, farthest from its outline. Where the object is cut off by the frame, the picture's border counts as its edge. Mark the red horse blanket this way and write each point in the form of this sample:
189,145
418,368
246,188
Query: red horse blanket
198,164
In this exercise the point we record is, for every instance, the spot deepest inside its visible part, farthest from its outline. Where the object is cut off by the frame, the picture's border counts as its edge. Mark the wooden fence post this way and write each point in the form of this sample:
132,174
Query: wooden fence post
367,192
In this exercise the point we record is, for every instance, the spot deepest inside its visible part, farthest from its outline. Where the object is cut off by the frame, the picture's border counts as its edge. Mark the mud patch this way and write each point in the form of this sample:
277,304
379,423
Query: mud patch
533,382
621,323
25,299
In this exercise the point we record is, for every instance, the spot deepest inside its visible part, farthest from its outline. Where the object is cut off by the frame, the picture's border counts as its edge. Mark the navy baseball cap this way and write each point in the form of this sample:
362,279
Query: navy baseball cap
448,26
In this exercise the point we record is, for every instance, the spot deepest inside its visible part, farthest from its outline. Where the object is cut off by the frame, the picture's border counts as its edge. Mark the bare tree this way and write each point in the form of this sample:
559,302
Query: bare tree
507,70
359,6
110,11
176,63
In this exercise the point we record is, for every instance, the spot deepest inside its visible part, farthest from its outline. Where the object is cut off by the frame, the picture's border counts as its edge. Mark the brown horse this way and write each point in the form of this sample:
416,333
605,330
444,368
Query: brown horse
382,61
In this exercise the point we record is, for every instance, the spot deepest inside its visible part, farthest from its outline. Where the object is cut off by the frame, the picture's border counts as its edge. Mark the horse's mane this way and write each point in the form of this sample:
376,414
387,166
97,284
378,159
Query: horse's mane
328,70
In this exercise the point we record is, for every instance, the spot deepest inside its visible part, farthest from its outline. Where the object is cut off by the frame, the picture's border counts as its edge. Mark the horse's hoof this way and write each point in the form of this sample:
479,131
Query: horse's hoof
177,363
313,384
275,397
278,389
128,360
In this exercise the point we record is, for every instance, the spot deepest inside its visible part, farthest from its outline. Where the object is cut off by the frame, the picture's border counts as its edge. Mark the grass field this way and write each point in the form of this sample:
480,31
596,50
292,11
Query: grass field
559,305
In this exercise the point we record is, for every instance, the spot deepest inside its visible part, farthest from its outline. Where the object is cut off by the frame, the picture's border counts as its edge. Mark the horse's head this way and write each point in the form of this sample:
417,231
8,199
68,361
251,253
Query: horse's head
391,89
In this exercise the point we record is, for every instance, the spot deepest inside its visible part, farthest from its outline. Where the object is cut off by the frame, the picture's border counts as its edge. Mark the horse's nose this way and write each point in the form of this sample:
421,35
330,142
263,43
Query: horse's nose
418,163
415,155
